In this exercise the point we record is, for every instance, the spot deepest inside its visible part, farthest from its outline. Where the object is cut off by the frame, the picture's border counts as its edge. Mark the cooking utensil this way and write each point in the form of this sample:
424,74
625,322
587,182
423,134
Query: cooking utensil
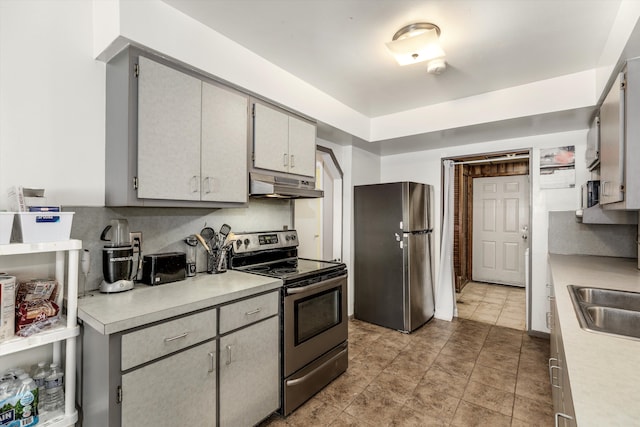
204,244
208,235
222,234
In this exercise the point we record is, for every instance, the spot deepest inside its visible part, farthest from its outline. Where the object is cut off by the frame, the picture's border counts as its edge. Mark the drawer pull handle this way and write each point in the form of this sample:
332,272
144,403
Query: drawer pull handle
559,415
256,311
228,355
177,337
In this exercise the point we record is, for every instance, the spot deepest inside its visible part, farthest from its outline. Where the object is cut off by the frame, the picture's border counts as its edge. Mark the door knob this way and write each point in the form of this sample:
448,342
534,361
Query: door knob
524,237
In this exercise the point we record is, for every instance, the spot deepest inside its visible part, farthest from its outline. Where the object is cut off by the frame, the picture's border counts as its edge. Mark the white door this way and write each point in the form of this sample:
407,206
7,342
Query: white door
500,229
309,222
319,221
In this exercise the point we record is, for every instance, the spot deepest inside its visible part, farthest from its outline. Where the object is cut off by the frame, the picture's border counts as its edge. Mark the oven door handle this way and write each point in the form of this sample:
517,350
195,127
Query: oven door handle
310,288
304,378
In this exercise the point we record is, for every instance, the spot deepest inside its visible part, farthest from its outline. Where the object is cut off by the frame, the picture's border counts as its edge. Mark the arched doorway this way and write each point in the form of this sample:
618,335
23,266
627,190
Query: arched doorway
319,221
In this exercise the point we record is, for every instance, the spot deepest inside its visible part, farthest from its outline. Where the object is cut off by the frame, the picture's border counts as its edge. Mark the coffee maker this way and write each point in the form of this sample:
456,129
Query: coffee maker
117,257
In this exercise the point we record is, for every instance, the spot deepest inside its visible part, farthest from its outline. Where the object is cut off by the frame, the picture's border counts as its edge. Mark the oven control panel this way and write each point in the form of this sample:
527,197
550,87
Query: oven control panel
253,242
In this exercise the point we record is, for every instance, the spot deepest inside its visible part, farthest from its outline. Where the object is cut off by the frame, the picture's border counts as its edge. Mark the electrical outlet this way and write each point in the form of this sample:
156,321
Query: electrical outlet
136,240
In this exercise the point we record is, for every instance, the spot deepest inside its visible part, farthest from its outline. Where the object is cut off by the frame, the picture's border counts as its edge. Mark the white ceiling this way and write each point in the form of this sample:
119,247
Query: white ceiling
338,45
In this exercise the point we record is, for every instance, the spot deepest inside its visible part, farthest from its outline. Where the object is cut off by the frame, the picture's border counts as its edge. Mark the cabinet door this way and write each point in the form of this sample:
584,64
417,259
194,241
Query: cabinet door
612,144
250,374
270,139
169,108
302,147
178,390
224,145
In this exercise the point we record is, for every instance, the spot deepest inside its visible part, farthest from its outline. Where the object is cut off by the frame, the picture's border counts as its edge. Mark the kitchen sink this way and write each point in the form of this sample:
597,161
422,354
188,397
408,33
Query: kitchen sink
607,311
608,298
614,321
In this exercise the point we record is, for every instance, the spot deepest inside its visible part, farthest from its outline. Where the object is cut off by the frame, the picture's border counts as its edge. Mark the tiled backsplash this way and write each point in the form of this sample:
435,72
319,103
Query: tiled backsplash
569,237
164,229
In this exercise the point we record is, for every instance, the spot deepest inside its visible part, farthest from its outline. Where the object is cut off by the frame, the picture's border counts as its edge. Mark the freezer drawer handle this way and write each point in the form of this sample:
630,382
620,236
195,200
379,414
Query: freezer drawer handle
177,337
303,379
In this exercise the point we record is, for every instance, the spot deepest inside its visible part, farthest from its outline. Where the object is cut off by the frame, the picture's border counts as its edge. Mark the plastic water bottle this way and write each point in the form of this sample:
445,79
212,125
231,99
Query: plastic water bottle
29,396
39,375
55,377
53,398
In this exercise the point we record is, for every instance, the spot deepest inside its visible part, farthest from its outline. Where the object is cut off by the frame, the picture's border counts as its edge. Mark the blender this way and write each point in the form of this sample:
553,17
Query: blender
117,257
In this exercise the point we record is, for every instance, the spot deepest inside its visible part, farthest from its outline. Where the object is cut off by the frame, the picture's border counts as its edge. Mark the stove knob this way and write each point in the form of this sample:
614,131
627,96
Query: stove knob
287,238
238,243
293,237
246,242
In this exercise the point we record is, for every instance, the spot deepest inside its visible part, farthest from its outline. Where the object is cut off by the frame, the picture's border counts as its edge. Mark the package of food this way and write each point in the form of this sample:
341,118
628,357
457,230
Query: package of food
7,307
19,410
37,289
34,316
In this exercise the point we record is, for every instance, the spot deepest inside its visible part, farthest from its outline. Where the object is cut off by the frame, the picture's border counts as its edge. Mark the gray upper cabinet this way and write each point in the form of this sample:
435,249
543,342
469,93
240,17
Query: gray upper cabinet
169,112
224,145
174,138
612,144
620,141
282,142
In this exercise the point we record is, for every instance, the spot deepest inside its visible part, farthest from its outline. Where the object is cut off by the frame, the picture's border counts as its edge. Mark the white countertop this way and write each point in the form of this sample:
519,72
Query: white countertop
604,370
116,312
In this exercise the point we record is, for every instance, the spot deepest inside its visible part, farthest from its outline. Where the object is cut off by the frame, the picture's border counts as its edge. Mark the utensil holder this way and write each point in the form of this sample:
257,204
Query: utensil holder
217,261
211,262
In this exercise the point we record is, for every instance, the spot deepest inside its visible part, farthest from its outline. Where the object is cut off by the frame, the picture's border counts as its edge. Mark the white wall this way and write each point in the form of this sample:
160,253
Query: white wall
425,167
359,167
52,101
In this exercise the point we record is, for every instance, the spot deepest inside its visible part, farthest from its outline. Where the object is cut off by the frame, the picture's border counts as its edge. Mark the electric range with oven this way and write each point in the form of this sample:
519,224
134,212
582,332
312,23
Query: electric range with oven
313,315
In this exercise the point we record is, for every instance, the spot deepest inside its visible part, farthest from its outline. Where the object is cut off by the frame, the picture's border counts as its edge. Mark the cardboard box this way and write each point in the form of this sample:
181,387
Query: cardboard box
7,307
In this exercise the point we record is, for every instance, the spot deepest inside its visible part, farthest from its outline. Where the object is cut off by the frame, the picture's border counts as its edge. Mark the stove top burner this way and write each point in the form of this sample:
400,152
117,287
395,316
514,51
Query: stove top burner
284,270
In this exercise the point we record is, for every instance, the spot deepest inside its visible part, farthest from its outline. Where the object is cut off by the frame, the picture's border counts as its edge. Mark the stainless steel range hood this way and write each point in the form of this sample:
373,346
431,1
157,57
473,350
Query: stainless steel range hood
263,186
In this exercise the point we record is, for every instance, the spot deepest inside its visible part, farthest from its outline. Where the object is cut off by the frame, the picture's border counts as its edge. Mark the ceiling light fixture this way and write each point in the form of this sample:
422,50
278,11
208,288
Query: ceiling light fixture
417,43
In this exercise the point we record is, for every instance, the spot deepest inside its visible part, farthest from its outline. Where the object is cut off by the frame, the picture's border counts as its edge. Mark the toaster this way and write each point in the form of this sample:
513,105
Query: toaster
158,269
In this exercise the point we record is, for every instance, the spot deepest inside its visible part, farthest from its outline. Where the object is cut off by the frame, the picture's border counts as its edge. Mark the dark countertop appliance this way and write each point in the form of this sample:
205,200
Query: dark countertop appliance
167,267
393,282
313,311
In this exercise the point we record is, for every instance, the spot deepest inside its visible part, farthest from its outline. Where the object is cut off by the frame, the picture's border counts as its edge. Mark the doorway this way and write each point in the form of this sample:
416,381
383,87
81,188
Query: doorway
319,221
486,301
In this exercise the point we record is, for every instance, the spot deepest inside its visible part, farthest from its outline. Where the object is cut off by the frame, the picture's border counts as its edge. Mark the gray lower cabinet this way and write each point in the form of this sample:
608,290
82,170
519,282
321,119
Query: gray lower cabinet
178,390
250,374
558,376
216,366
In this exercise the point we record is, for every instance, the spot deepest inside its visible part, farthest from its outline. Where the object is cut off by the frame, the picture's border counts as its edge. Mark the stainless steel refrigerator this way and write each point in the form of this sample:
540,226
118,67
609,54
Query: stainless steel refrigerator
393,277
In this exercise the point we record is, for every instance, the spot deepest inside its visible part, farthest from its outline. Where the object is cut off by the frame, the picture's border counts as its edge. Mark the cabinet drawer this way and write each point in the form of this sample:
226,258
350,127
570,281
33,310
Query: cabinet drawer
156,341
236,315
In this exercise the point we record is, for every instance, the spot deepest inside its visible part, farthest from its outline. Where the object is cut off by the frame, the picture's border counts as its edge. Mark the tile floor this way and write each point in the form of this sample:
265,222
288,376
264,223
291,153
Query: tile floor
494,304
460,373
